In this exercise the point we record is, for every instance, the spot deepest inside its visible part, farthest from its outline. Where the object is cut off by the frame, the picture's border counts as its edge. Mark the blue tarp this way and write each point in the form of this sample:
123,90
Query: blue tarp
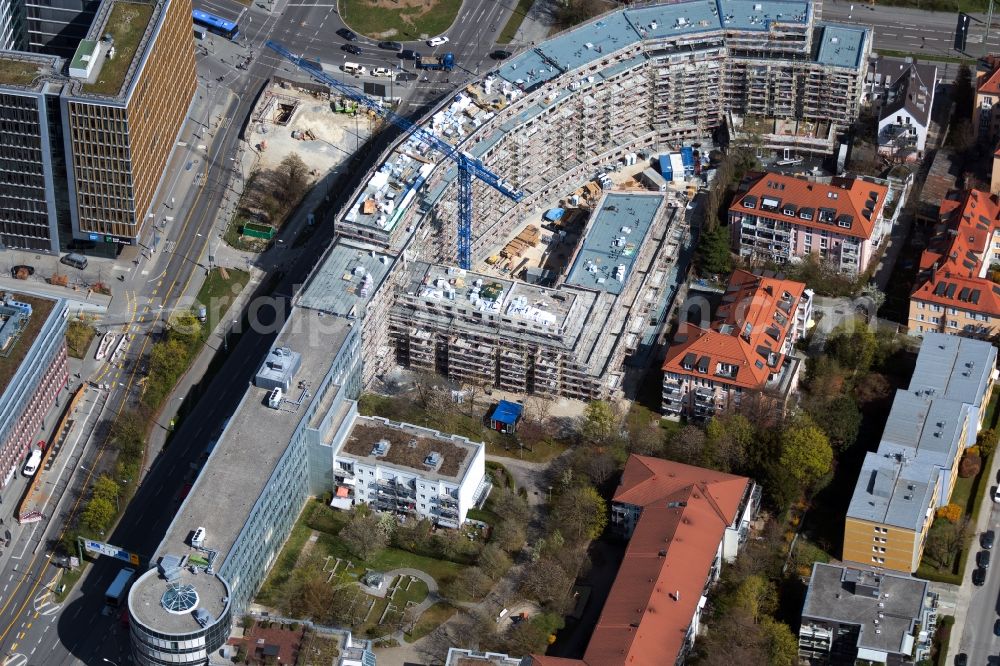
665,170
554,214
507,412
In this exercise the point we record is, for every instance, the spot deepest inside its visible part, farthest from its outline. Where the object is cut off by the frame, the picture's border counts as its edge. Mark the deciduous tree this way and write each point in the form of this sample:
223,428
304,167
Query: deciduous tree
579,513
600,422
98,513
362,535
805,451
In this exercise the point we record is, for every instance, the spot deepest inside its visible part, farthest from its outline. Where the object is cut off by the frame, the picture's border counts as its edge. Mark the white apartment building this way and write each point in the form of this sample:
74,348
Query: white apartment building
407,470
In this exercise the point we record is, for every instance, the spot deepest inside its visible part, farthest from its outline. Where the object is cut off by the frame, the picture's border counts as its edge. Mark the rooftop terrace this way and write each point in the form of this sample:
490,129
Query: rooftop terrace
616,233
126,23
408,447
255,439
11,359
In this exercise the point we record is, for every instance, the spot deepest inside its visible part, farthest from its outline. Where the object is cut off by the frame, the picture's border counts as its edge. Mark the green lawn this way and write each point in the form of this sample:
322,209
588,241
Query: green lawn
78,337
403,20
282,569
514,22
416,593
18,72
218,293
431,619
391,558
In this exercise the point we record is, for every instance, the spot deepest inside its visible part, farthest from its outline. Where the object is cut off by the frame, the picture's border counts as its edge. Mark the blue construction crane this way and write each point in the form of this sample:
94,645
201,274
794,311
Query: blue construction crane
468,166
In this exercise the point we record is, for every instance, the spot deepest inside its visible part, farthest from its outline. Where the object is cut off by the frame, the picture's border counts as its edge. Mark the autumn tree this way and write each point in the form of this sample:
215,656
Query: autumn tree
987,442
950,512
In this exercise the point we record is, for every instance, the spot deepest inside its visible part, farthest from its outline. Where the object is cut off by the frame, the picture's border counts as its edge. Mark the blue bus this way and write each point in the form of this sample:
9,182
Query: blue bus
213,23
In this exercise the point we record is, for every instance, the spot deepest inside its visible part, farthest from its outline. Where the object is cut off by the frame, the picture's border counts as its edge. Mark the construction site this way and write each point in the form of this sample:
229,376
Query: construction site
570,282
304,118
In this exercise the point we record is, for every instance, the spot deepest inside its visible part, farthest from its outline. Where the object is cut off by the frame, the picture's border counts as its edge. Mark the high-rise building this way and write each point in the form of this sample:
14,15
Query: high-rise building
85,141
56,26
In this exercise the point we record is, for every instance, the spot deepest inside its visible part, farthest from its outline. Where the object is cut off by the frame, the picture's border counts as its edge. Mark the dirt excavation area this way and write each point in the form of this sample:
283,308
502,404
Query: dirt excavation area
303,118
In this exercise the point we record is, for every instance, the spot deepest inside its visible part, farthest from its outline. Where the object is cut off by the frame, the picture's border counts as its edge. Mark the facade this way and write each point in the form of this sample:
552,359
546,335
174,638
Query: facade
914,469
901,92
462,657
986,118
82,155
782,218
33,339
954,292
11,25
682,523
407,470
57,26
853,615
748,347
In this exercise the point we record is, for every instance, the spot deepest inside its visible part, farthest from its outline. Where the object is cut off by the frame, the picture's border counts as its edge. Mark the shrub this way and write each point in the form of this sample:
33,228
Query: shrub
951,513
969,466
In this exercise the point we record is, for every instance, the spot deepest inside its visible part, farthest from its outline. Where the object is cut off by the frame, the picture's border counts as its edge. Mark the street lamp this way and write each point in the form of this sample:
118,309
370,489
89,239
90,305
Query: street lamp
109,661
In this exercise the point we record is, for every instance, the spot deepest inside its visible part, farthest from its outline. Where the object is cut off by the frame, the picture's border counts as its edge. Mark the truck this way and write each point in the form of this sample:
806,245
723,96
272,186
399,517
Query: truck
115,593
444,62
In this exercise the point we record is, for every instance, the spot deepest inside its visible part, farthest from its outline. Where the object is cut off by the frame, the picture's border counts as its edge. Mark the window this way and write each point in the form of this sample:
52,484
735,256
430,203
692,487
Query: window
952,323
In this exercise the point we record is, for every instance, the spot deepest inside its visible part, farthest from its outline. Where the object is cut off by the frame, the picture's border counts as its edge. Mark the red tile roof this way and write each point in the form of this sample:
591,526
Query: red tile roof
854,203
751,303
989,81
685,513
951,264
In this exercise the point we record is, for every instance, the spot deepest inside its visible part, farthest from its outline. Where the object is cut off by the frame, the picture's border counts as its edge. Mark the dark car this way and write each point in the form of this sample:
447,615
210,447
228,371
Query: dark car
979,577
347,34
390,46
983,559
352,49
989,536
409,54
500,54
996,628
962,659
406,76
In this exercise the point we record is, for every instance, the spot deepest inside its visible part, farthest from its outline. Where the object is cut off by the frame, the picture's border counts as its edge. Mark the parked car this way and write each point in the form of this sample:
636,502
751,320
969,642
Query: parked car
406,76
988,538
437,41
409,54
390,46
500,54
347,34
983,559
978,577
996,628
382,71
962,659
352,49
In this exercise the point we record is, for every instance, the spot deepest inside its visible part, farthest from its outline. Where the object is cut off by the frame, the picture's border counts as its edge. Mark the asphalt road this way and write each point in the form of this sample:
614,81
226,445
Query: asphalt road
916,31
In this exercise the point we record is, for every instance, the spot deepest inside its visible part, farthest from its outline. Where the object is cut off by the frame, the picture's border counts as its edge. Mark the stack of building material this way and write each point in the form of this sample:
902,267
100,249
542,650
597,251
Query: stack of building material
528,238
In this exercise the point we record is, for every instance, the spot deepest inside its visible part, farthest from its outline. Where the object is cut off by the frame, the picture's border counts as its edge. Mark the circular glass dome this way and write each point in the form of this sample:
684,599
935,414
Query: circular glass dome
179,598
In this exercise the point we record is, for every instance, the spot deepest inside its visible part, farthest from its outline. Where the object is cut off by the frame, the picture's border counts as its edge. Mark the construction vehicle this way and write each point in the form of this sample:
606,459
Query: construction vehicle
468,166
444,62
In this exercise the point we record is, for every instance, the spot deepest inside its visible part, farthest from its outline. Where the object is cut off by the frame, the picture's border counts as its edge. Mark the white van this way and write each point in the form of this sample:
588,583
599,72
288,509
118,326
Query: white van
355,69
34,460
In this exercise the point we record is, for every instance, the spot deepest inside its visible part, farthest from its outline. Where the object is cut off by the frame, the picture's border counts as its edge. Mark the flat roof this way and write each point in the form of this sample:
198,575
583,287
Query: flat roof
930,428
254,440
840,45
127,23
41,309
585,43
146,596
345,281
833,595
83,54
17,71
954,367
893,493
409,445
613,239
756,15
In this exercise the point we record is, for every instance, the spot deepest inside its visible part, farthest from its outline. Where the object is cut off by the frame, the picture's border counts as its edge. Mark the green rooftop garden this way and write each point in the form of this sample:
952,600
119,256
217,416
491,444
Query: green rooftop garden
18,72
41,307
126,24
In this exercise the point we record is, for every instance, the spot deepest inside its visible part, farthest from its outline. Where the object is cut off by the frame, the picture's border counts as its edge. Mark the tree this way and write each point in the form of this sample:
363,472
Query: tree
509,536
362,535
945,539
713,256
970,464
308,595
600,467
291,178
579,513
853,349
546,582
840,419
805,451
106,488
757,596
950,512
470,583
510,505
687,446
987,442
782,644
98,514
728,438
493,561
600,423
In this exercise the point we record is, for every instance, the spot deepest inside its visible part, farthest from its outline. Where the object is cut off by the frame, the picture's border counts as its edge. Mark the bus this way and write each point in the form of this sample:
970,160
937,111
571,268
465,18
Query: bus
213,23
116,591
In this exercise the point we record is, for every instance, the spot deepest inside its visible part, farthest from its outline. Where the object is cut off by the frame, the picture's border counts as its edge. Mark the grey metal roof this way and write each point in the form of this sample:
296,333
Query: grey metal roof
892,492
953,367
840,45
926,429
338,286
885,606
